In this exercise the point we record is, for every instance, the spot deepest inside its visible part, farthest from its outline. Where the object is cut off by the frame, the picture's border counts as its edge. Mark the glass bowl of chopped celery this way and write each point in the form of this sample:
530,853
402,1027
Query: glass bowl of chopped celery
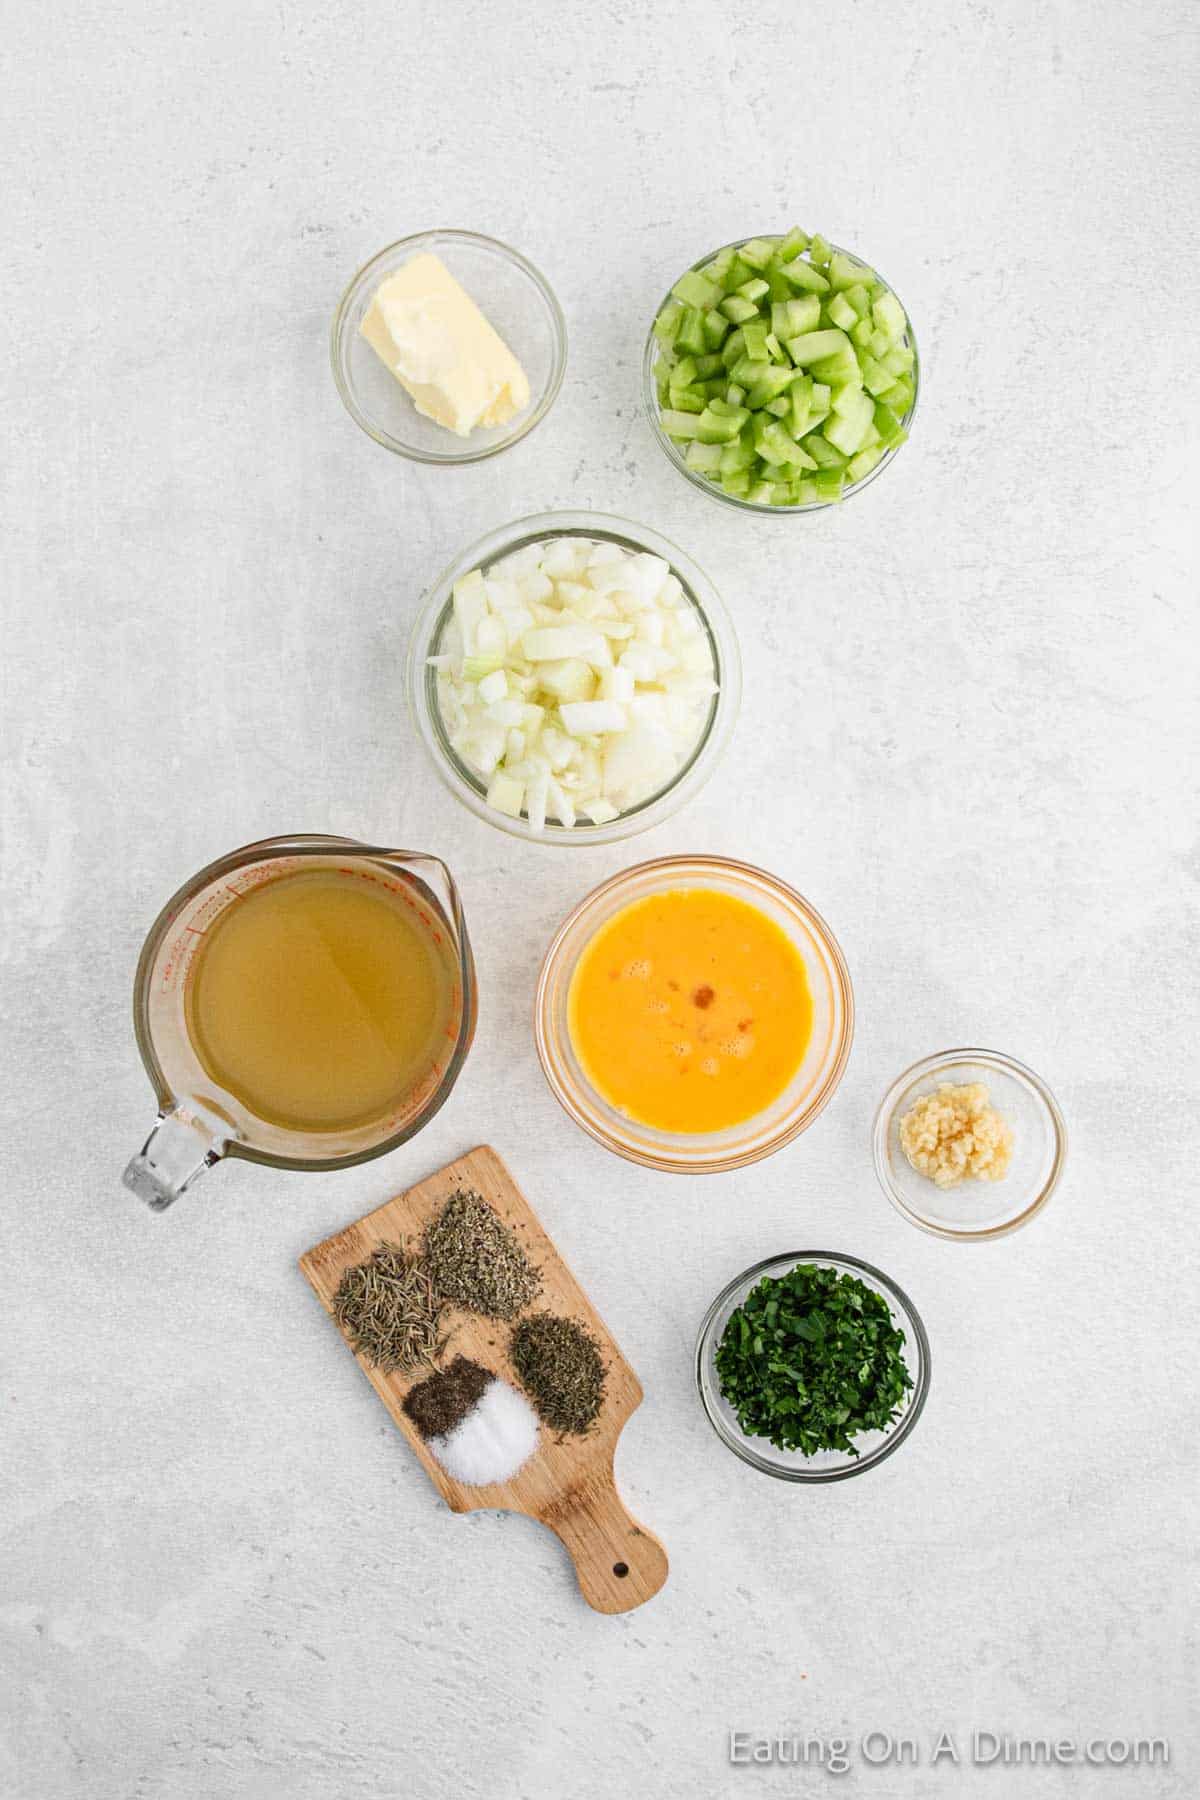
516,302
813,1366
781,374
574,677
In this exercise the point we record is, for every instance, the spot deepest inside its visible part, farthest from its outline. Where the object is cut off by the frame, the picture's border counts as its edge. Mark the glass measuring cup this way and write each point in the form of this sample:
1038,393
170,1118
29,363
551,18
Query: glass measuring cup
200,1122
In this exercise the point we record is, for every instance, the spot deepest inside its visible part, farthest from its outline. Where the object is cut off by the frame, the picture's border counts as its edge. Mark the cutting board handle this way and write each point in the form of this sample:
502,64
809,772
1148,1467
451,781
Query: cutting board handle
619,1563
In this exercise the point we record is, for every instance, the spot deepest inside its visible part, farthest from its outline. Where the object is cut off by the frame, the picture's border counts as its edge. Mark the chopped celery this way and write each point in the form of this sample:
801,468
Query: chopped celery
846,431
715,327
755,334
704,458
747,370
823,452
776,445
695,290
784,370
712,428
680,424
803,275
890,430
736,457
841,312
862,464
690,336
758,252
769,385
888,314
899,398
876,378
793,318
836,371
666,326
847,402
738,309
844,272
793,245
813,346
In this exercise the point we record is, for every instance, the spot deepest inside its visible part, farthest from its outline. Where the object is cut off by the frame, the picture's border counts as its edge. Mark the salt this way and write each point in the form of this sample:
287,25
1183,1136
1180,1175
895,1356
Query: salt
492,1442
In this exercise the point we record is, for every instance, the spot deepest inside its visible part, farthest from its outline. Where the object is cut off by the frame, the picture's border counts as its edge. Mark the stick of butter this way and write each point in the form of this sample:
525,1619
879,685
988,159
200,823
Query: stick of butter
457,370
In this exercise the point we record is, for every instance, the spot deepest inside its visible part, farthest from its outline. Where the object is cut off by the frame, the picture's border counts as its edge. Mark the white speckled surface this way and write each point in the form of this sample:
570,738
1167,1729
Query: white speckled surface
970,738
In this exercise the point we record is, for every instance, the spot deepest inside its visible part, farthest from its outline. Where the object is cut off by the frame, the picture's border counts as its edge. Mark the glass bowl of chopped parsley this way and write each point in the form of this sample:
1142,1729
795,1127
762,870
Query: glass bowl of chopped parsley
812,1366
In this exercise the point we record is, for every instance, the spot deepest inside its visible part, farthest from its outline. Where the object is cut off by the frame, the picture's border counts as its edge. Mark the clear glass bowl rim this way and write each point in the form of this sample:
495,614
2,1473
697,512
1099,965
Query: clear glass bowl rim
711,746
650,402
790,1128
928,1066
527,420
846,1264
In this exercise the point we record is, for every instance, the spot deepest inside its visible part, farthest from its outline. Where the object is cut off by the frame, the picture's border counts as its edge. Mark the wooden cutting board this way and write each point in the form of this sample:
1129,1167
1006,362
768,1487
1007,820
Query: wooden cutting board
567,1483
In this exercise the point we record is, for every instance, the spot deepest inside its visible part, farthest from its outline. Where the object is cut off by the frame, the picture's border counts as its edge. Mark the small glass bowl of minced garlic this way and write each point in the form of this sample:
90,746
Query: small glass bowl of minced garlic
969,1144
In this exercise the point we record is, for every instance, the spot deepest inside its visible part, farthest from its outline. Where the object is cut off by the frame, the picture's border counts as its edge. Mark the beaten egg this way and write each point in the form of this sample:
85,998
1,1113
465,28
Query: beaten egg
690,1011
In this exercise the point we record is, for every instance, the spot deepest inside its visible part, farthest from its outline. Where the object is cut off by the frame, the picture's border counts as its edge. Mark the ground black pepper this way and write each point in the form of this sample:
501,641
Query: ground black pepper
442,1401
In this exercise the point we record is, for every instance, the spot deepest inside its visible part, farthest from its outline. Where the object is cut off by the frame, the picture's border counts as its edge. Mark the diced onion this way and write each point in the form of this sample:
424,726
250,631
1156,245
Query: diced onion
574,677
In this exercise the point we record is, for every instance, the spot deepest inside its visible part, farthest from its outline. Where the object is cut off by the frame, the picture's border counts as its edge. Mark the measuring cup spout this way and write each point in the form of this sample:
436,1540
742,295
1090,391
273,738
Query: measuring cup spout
186,1140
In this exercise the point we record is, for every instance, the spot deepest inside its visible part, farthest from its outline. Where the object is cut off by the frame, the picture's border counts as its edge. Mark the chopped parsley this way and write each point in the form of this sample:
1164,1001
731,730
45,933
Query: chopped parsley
812,1359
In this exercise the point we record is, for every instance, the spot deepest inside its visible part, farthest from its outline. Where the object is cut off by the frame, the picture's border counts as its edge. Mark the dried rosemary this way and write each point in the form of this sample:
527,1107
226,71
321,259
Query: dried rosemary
561,1369
475,1260
390,1310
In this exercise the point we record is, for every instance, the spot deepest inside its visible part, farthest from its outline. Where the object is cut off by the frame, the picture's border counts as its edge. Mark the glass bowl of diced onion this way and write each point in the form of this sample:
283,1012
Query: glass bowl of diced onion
574,677
708,481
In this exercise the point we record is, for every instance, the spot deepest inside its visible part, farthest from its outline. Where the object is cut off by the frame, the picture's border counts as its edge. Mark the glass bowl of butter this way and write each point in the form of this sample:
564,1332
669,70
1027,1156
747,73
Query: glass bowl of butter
448,347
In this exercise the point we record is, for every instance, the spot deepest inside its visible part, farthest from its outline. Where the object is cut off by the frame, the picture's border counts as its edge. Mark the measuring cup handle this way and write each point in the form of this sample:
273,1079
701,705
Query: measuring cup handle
186,1140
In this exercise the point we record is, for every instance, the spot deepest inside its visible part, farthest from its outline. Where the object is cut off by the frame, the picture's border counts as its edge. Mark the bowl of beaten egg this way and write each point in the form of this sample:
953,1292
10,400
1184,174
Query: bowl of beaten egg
694,1014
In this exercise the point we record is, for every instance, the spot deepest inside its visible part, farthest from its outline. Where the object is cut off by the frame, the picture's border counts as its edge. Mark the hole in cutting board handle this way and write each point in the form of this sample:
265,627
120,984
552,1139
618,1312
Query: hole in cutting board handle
621,1569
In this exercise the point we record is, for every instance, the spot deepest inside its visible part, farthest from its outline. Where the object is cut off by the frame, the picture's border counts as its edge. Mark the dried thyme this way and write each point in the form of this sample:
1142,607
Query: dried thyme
476,1262
560,1366
389,1309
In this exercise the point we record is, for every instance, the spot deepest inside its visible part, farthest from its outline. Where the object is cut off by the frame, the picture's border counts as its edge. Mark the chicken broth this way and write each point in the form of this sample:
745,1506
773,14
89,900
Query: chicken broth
323,999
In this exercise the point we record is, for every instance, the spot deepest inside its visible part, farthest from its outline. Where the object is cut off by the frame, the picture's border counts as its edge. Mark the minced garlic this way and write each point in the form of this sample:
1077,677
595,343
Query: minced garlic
957,1135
